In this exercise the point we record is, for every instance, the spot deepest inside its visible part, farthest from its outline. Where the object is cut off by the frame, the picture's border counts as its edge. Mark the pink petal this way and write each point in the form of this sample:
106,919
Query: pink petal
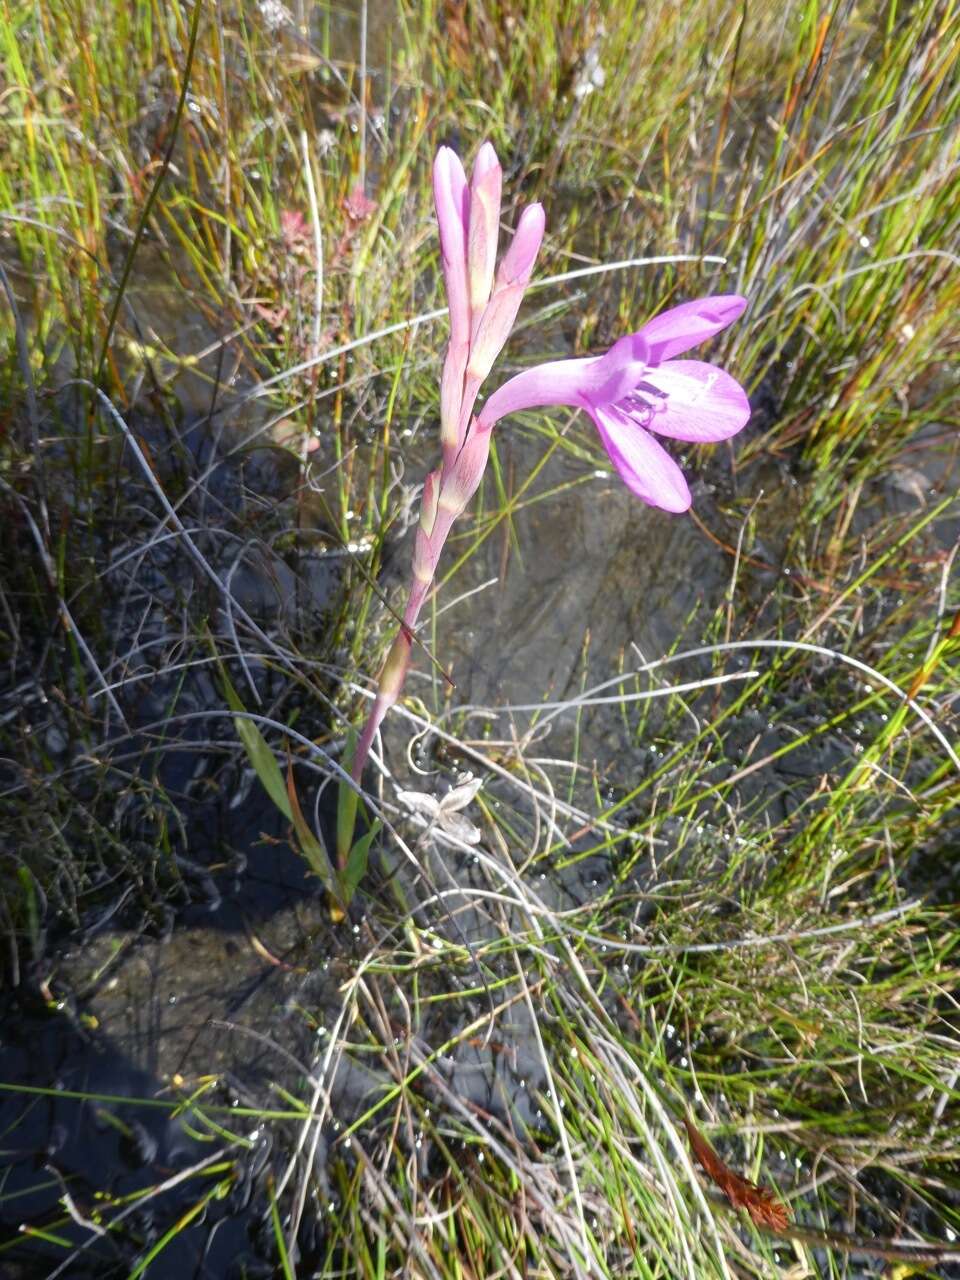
617,371
556,382
451,196
691,323
645,468
703,402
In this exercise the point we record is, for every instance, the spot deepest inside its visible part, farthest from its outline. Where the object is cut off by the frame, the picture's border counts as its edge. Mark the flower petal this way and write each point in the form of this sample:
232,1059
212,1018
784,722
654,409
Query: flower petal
702,402
645,468
617,371
556,382
685,326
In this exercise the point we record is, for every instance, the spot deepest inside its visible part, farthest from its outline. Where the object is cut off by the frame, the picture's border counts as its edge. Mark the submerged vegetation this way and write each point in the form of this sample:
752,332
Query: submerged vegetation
669,811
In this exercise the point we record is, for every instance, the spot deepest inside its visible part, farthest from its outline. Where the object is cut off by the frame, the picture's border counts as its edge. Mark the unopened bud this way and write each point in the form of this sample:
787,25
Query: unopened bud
452,199
511,282
484,227
463,478
518,261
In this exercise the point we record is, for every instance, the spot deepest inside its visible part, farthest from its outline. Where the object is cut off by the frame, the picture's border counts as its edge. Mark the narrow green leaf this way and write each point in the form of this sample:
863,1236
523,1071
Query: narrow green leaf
285,1263
310,846
356,867
261,757
347,800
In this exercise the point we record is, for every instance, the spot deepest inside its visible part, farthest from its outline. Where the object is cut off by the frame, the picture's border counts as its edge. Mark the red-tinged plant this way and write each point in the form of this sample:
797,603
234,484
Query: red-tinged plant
758,1201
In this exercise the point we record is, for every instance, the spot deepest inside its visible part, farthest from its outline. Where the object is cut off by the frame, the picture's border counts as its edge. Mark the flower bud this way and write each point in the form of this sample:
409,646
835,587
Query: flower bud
511,282
518,261
483,227
452,199
462,480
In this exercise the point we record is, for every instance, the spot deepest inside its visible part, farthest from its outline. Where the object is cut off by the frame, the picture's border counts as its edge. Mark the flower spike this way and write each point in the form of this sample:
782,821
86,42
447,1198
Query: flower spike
483,306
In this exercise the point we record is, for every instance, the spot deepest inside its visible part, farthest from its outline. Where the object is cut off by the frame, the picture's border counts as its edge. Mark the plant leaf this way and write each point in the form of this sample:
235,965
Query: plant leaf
258,752
347,800
760,1203
310,846
356,866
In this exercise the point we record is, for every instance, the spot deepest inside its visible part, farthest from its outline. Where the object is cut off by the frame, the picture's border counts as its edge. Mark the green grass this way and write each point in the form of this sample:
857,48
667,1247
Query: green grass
770,941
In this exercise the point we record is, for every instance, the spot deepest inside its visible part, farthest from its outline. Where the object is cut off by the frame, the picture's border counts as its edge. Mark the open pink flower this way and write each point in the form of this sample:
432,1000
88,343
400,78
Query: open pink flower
637,388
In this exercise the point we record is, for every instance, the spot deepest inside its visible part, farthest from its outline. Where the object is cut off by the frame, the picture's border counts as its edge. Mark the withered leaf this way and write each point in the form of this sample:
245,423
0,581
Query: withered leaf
758,1201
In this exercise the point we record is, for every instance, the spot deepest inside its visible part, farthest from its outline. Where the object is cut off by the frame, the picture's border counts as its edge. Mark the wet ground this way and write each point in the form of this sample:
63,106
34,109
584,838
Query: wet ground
227,994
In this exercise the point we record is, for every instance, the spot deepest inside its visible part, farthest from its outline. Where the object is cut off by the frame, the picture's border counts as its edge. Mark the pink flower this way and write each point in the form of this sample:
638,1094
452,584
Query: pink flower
637,388
483,302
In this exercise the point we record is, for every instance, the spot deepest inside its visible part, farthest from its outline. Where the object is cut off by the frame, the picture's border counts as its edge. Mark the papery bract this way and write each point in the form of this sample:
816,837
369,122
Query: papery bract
637,388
